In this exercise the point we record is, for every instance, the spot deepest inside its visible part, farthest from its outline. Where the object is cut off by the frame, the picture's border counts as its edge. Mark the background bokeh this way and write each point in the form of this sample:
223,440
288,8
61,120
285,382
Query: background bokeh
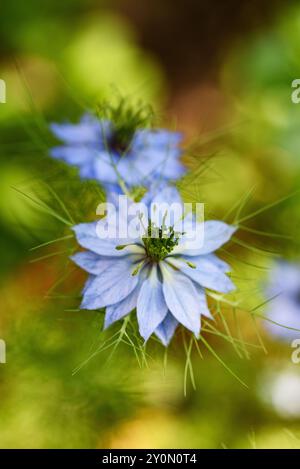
222,72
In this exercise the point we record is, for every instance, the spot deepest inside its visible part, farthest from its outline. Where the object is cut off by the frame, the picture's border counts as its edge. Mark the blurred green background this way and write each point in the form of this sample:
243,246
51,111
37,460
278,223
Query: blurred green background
220,71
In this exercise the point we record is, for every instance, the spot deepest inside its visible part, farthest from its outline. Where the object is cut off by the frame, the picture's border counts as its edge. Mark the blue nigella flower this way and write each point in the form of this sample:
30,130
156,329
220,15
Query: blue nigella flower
284,291
102,152
162,277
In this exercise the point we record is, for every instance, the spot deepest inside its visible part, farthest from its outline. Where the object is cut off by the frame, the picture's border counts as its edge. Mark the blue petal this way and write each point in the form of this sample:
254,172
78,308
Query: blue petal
213,259
151,305
113,191
128,171
74,155
97,265
284,279
88,261
181,297
89,281
166,329
151,162
154,189
159,138
205,274
203,308
85,148
103,167
170,168
216,233
169,195
87,237
88,130
115,284
283,310
146,166
152,154
93,164
119,310
166,205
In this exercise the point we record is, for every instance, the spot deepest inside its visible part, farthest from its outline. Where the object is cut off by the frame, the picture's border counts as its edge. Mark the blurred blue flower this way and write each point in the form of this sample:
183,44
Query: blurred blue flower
283,289
95,148
163,277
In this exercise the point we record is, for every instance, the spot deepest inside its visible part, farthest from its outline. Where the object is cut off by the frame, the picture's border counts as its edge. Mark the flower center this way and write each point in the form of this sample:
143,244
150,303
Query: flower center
160,241
120,140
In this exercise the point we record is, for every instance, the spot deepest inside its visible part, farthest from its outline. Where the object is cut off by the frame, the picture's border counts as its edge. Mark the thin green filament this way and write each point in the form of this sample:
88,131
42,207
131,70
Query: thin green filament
126,118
